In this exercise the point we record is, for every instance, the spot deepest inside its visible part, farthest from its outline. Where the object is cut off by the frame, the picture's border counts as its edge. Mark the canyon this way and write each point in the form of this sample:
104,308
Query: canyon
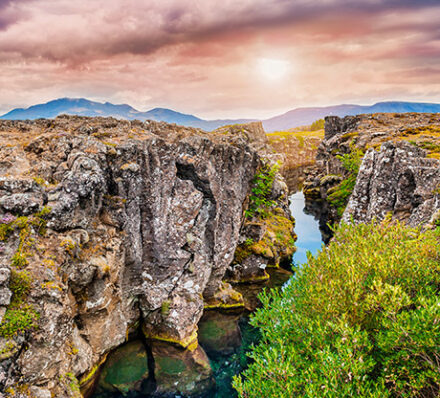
128,239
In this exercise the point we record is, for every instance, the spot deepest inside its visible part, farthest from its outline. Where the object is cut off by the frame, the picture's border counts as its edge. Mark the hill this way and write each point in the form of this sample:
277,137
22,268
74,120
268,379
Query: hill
305,116
293,118
84,107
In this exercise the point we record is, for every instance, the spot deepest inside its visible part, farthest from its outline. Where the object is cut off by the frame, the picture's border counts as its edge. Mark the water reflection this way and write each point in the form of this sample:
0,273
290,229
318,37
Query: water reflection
306,228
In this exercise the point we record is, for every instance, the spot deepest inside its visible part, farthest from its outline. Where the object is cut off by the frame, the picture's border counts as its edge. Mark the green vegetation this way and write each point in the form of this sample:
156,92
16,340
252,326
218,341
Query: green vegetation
165,308
338,195
19,316
361,319
317,125
260,201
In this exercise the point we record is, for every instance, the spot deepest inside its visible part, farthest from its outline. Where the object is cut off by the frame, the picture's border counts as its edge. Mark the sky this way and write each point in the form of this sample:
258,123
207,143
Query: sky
216,59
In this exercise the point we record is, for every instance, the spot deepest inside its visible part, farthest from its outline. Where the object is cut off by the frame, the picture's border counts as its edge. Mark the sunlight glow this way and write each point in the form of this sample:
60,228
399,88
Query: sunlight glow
273,69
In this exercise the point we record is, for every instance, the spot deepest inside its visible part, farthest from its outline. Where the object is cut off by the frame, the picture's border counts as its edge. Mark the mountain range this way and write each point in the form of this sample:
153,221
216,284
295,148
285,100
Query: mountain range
293,118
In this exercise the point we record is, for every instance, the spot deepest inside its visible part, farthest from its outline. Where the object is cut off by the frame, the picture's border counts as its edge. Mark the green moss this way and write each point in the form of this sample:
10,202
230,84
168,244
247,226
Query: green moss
165,308
6,230
170,366
20,316
40,181
19,260
185,343
20,284
18,319
89,376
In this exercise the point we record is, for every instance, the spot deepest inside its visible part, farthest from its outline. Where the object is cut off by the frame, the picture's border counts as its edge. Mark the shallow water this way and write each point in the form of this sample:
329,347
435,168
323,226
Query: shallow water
306,228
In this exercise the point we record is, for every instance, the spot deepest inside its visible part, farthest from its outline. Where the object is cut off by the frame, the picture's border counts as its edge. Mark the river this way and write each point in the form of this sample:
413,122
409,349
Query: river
306,228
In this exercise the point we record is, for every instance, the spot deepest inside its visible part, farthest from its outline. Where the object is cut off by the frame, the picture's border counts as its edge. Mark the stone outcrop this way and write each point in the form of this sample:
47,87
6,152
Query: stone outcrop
408,165
397,180
297,152
120,228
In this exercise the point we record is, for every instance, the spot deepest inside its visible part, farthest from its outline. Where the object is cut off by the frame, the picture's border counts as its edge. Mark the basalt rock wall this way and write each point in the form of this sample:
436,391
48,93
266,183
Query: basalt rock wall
397,173
113,228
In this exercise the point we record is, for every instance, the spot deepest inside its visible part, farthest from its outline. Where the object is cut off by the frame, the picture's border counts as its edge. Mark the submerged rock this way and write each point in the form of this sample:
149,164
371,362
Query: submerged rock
219,332
126,369
181,370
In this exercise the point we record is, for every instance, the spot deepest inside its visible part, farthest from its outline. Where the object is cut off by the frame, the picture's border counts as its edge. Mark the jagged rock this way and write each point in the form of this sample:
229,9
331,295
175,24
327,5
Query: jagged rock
398,180
145,219
367,133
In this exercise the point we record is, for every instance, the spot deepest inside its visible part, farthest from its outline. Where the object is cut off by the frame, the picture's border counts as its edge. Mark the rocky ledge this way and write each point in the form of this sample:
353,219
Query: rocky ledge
373,166
117,235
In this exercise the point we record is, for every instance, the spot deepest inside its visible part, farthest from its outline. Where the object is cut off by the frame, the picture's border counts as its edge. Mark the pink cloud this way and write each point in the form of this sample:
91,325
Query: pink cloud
200,56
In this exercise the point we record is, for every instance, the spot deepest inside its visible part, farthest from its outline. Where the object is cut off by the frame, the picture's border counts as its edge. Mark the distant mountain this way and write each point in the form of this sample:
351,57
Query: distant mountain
294,118
306,116
84,107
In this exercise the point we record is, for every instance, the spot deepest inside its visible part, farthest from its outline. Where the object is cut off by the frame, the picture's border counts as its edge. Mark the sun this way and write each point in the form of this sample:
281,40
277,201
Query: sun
272,69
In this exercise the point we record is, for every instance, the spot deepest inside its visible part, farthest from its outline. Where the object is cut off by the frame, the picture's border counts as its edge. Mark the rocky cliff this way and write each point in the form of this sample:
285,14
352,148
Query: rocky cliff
370,166
297,150
112,230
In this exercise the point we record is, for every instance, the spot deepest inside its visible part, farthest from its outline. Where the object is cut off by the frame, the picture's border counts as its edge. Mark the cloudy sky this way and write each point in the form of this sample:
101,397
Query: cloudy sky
229,58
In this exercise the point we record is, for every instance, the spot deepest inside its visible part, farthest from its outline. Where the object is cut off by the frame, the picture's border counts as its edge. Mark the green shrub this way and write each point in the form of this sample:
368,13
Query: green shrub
259,200
338,196
19,284
359,320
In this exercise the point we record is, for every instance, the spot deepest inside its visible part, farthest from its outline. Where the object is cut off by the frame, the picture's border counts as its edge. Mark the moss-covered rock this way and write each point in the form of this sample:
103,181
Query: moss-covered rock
125,369
226,298
181,371
219,333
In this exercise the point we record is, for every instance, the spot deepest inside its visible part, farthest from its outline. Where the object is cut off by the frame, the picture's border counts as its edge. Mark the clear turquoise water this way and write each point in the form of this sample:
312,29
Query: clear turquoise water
306,228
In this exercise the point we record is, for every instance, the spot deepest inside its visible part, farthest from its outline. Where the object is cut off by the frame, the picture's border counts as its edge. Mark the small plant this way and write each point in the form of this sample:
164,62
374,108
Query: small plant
260,201
40,181
70,246
19,284
18,319
19,260
19,316
249,242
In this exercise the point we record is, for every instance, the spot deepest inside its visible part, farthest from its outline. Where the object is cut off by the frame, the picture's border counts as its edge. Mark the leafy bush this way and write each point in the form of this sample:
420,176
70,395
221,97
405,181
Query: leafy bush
359,320
260,201
339,195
